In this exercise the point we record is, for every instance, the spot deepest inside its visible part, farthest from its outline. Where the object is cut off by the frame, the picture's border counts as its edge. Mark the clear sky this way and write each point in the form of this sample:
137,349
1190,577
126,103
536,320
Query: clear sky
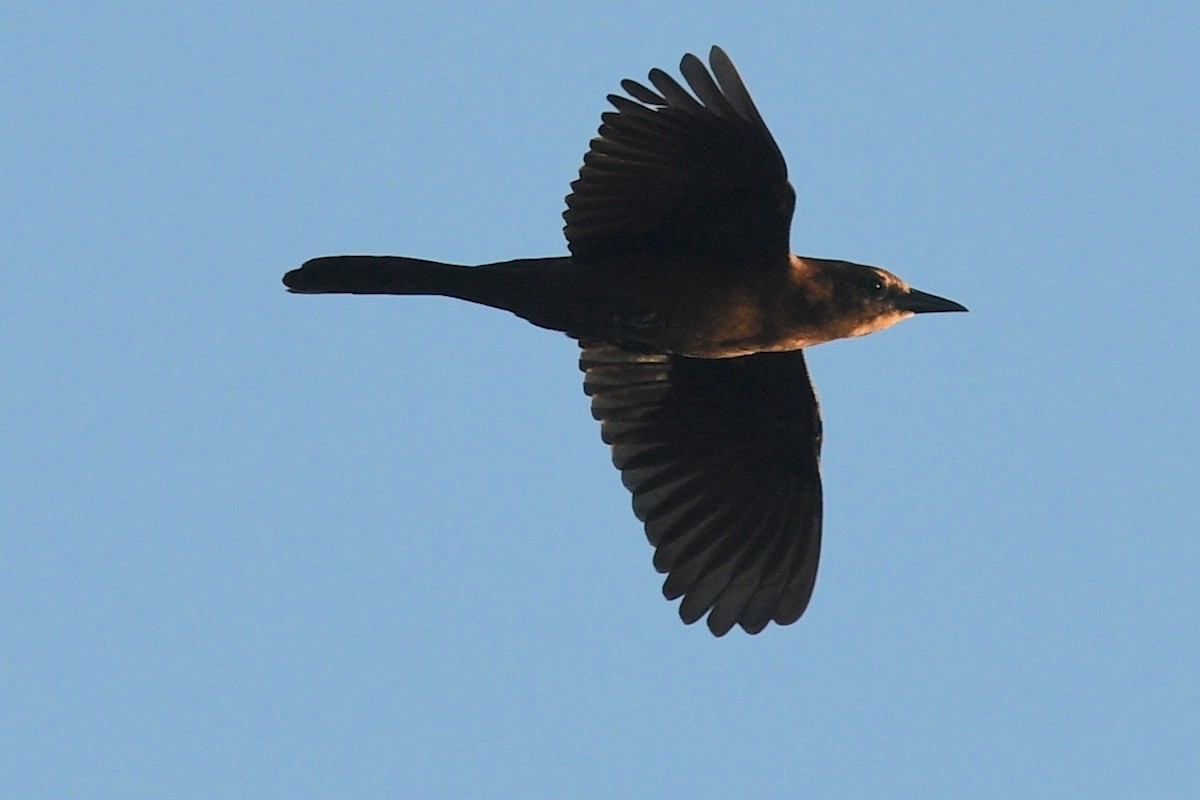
259,545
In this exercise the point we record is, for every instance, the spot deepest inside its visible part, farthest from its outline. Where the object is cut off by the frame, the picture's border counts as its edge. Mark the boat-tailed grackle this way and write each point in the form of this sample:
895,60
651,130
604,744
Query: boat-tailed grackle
692,313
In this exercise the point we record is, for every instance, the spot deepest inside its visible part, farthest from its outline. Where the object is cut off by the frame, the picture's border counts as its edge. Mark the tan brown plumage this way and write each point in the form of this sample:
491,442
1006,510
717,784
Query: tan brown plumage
692,314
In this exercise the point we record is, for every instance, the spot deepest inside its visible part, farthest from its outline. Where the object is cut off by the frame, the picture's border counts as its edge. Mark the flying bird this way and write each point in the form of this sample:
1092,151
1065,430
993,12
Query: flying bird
692,314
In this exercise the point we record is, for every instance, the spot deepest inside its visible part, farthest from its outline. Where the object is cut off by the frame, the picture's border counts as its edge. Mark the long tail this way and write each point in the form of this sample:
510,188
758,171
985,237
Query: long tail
531,288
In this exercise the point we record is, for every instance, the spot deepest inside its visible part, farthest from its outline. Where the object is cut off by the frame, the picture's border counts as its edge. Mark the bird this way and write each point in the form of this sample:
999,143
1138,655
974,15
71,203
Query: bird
692,314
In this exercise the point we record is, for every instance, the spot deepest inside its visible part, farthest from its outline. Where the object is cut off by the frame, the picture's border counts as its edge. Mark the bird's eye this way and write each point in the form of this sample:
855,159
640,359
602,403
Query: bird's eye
878,289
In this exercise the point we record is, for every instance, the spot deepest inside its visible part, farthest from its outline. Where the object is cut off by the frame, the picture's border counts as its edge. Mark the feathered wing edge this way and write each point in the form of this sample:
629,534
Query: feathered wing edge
671,168
722,458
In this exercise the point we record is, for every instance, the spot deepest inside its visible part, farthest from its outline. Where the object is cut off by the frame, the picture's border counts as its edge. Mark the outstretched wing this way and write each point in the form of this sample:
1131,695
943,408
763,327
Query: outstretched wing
722,457
674,174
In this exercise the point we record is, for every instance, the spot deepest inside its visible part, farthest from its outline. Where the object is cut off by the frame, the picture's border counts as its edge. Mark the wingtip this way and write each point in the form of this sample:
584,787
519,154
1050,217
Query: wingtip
687,59
715,53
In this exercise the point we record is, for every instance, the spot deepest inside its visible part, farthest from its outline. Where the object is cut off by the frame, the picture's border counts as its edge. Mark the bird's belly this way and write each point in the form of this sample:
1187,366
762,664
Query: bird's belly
730,343
705,311
724,330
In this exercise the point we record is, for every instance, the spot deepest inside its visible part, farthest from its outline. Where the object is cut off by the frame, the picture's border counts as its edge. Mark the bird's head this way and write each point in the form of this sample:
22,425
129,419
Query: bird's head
856,299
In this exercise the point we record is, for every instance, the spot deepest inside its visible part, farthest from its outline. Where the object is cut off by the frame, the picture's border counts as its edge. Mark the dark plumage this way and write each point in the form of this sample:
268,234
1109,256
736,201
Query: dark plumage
691,312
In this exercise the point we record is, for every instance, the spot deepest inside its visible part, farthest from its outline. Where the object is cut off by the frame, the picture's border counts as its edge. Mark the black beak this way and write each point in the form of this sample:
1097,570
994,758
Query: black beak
923,303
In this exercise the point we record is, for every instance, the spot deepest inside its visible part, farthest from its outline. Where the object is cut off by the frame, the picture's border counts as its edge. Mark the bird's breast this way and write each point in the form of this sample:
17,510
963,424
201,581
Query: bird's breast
700,310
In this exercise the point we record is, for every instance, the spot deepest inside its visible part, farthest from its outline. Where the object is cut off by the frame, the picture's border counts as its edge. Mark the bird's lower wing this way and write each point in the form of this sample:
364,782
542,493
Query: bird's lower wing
722,457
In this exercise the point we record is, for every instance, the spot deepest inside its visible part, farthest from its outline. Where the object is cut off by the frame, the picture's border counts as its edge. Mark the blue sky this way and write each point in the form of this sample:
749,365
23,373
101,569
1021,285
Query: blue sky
260,545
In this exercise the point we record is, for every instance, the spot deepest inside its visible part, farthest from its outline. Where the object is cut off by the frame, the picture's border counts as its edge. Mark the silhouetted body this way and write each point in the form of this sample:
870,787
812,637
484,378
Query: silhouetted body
691,312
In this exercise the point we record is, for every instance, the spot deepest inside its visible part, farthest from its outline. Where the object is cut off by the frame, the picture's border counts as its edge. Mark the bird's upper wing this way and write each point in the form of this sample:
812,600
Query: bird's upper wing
722,457
673,174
